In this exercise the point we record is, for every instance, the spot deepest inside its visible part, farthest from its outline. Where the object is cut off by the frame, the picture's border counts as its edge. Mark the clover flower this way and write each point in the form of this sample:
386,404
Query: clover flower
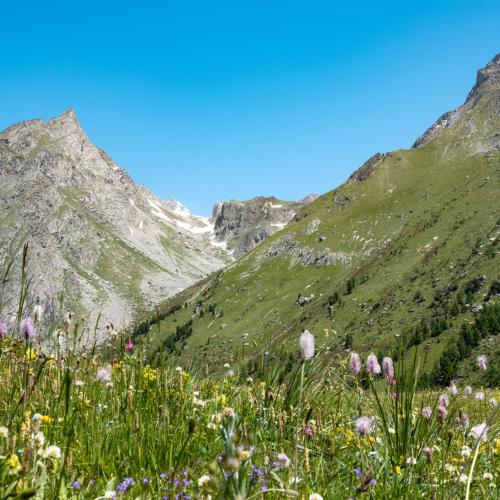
468,390
479,395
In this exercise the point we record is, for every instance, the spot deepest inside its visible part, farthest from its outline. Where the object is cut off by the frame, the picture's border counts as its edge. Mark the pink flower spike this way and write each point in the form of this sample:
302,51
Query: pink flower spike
481,362
426,412
129,346
452,390
308,431
355,363
443,400
3,330
372,365
388,368
27,329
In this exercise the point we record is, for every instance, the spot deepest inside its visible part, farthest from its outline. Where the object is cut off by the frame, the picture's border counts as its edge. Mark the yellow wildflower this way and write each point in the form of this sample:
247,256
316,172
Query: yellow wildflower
222,400
13,464
30,354
397,470
47,420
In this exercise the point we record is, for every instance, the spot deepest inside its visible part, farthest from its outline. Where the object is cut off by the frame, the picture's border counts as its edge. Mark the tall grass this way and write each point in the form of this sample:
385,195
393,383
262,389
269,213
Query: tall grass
106,424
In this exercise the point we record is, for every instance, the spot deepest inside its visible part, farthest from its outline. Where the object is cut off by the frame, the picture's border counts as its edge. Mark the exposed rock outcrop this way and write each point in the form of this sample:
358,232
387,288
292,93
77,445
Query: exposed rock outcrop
242,225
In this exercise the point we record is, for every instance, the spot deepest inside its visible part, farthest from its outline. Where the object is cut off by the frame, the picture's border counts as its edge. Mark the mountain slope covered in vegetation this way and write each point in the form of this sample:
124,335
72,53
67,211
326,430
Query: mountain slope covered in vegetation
402,254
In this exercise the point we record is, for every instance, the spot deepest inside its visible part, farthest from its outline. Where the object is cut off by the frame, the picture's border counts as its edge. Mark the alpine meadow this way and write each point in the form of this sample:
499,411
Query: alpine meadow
335,346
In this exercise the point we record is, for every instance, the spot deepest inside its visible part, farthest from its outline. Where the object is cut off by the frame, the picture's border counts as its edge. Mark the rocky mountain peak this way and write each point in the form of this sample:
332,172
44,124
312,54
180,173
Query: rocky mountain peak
110,247
487,86
487,79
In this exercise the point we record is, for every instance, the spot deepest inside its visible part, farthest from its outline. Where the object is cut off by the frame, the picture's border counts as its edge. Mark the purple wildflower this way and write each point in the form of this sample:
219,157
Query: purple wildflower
355,363
388,367
27,329
308,431
3,330
364,425
481,362
372,365
441,414
443,400
426,412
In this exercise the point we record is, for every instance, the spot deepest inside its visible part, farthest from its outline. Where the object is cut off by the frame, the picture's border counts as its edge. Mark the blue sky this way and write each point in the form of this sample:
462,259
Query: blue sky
215,100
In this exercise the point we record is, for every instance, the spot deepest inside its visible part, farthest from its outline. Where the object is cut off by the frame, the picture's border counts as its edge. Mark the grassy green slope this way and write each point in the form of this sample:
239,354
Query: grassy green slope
412,236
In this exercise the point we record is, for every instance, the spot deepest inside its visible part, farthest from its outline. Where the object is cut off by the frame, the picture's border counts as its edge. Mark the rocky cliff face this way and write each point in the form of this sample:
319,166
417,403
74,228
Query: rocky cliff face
242,225
98,242
487,87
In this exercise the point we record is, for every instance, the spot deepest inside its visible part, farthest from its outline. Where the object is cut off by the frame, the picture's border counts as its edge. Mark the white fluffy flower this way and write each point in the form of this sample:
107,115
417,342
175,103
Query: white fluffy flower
315,496
53,452
479,431
4,432
479,395
203,480
307,345
452,390
283,460
465,451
